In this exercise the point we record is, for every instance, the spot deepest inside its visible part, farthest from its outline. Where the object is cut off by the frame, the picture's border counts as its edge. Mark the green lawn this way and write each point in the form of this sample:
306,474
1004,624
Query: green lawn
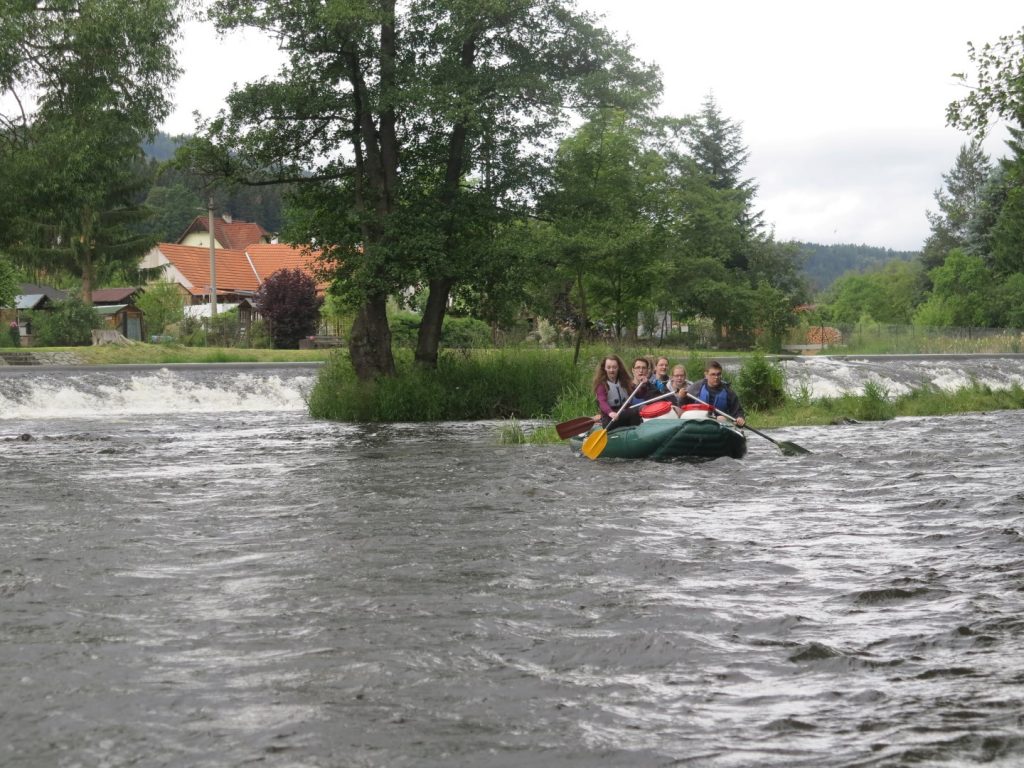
163,354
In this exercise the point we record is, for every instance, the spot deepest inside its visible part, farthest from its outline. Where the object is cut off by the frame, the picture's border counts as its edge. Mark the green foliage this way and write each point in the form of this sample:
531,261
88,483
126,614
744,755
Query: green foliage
875,404
998,90
77,171
958,205
512,433
456,332
175,207
888,294
162,304
224,330
961,293
465,333
485,385
761,385
70,323
259,336
8,283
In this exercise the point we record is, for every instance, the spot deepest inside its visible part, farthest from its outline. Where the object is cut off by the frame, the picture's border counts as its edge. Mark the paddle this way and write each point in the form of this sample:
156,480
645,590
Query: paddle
787,448
596,441
574,427
655,399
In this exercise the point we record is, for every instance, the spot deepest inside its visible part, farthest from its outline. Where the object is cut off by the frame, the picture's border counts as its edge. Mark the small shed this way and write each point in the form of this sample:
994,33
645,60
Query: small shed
124,318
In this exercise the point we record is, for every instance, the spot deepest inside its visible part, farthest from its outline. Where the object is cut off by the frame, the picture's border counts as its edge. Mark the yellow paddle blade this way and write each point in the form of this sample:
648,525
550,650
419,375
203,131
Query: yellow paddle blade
595,443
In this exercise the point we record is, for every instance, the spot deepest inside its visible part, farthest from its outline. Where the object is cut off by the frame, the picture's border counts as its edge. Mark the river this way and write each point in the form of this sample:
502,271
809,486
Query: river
195,573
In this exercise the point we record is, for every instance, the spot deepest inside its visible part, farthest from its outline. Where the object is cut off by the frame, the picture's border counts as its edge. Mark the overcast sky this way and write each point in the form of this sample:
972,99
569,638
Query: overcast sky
842,105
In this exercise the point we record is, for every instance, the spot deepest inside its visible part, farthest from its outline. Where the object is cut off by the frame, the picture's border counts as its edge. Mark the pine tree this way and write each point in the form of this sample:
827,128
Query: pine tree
958,203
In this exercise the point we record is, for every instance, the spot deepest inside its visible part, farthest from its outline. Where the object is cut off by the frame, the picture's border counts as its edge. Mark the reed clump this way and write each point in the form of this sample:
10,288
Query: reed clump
485,384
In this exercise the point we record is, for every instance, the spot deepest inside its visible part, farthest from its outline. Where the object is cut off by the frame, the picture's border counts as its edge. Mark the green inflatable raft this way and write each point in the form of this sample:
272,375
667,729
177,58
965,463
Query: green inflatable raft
672,438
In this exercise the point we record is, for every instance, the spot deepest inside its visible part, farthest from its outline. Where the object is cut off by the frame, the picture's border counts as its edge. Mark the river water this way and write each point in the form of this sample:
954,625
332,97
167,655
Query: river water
195,573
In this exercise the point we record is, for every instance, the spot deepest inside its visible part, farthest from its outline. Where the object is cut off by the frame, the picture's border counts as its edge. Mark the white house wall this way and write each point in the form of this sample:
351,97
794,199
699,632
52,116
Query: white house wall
170,272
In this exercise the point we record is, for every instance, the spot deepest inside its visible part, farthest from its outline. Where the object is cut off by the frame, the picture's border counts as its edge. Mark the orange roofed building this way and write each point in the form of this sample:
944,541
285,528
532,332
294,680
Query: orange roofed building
227,233
240,272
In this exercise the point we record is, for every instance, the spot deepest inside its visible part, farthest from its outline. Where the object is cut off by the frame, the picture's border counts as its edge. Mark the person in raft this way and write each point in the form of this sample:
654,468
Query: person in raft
660,378
641,373
677,384
715,392
612,387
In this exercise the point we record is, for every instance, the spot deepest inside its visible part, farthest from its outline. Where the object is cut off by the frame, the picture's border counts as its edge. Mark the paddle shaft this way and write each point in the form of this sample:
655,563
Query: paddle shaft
659,397
784,447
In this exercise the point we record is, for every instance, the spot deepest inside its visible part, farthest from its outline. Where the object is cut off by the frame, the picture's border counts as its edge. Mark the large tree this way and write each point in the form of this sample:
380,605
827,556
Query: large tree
604,240
99,74
407,125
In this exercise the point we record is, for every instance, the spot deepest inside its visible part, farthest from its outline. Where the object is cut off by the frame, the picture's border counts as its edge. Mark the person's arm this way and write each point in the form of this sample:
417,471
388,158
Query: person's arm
641,394
602,400
736,408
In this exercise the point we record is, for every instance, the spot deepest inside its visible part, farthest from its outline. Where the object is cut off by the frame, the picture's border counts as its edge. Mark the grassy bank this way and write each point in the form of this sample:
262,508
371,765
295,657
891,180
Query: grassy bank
168,354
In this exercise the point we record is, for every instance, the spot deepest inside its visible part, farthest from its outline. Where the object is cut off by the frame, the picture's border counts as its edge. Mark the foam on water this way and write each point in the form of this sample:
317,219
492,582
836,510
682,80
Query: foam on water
837,376
64,395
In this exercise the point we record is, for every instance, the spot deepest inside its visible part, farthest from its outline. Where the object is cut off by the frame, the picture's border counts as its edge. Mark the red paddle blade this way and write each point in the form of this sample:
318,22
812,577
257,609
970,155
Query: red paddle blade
574,427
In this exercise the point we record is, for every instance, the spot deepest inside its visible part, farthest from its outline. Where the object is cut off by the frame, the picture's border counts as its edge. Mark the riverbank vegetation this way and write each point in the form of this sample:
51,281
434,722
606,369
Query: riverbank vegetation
170,354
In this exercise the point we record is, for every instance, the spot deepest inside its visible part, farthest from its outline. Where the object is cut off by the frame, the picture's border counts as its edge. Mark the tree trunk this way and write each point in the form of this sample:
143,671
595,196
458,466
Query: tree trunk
429,337
584,320
87,278
369,342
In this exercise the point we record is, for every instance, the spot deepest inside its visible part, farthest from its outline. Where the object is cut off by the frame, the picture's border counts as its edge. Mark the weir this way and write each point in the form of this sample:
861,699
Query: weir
833,376
88,391
44,392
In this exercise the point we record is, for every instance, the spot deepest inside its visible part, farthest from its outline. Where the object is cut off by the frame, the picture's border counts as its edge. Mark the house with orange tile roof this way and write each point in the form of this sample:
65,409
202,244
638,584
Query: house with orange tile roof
239,272
227,233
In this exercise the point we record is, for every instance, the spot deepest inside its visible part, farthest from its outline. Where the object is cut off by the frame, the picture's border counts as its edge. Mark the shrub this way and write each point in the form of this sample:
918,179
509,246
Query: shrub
259,335
288,300
162,304
224,330
68,324
465,333
875,404
761,385
456,332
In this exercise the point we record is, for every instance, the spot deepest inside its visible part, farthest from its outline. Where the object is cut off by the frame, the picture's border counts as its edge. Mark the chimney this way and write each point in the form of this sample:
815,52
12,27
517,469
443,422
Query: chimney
226,216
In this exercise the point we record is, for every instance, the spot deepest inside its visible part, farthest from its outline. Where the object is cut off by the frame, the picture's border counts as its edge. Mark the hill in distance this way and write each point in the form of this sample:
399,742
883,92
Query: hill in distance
824,263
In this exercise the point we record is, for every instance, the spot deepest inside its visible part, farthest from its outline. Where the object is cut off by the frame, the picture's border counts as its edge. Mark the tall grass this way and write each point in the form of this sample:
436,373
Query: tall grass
486,384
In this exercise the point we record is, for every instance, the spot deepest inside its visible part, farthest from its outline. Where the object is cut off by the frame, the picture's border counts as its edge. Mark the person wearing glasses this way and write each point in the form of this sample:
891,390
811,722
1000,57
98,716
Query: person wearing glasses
716,392
641,373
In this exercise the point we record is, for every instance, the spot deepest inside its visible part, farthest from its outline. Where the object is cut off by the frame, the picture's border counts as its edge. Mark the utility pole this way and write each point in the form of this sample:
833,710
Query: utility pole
213,263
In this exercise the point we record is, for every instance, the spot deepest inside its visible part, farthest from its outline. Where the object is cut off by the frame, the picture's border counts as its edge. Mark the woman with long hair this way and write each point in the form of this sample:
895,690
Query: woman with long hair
612,387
